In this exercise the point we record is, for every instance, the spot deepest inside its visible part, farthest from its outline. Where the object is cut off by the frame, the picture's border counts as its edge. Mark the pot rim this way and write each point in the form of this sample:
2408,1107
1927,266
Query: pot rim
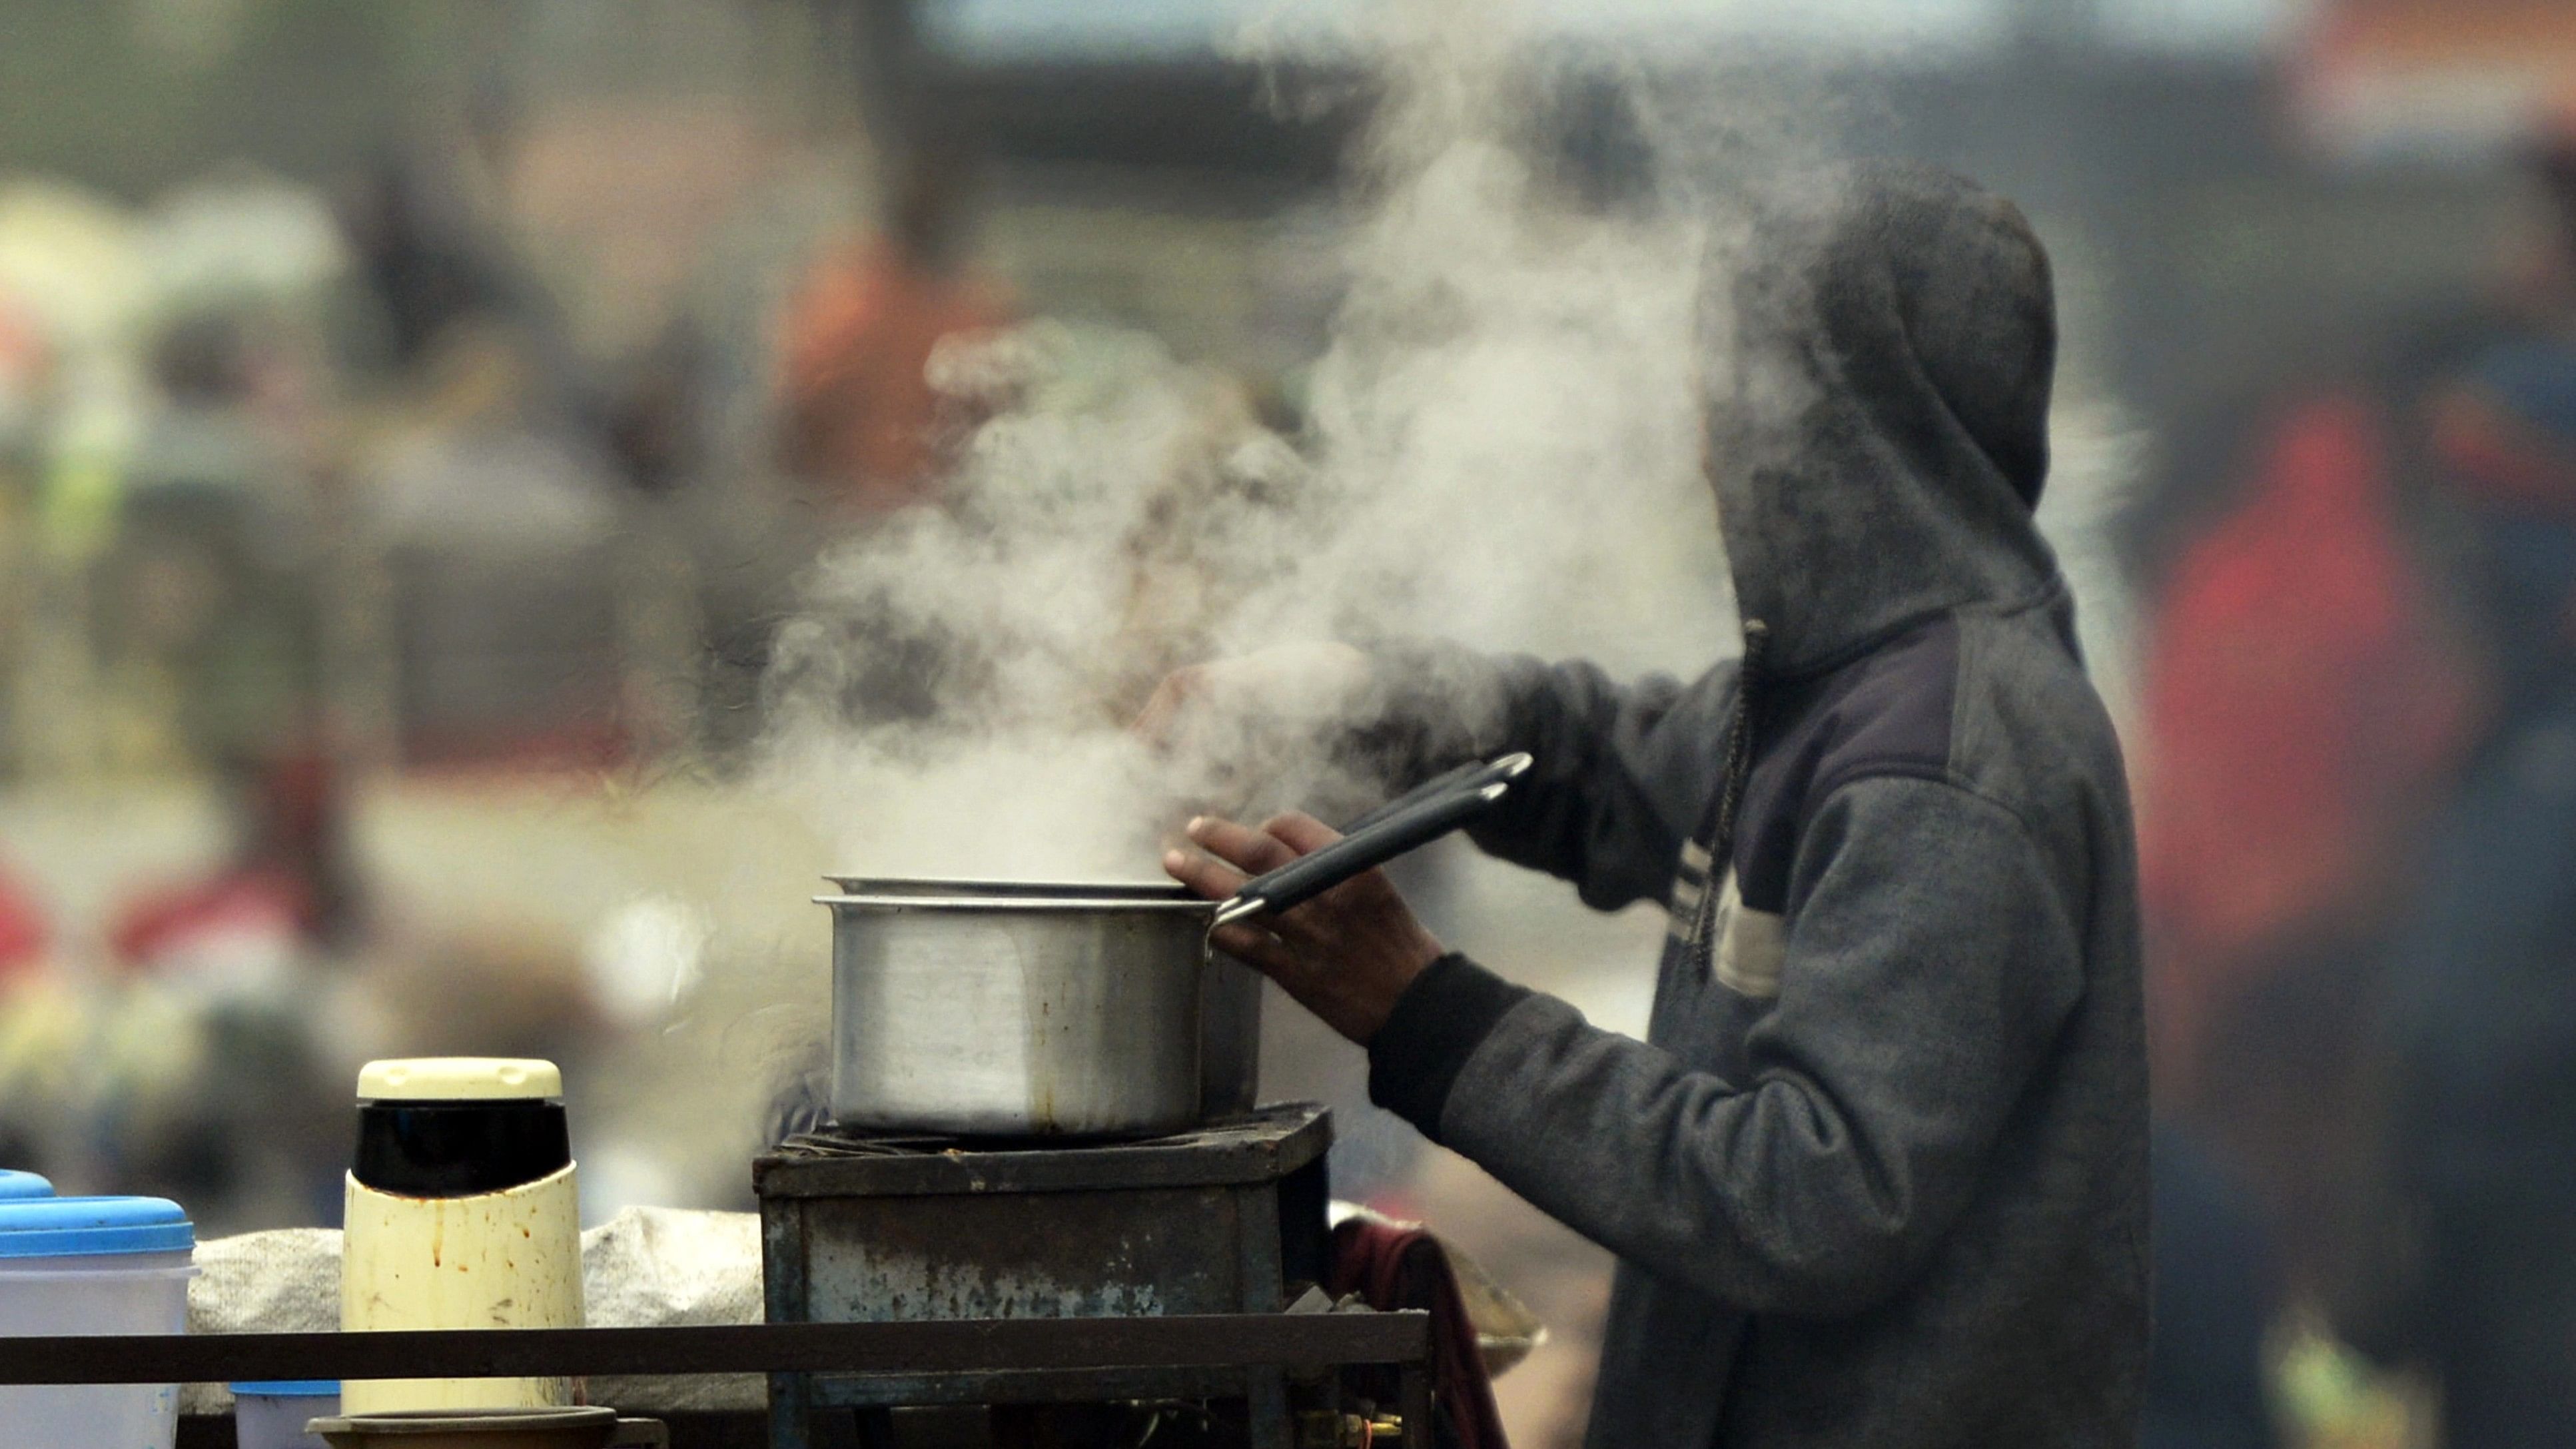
896,893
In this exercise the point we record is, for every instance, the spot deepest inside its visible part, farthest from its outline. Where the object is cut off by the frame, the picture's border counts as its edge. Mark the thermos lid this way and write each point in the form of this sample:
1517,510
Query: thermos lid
459,1126
69,1227
22,1185
459,1079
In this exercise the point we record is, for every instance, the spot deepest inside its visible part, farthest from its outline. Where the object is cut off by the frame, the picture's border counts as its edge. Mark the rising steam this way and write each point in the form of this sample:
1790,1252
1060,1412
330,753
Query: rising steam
1502,447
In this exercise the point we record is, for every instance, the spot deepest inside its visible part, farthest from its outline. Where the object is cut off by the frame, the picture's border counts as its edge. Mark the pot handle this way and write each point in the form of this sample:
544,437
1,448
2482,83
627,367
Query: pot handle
1439,784
1413,820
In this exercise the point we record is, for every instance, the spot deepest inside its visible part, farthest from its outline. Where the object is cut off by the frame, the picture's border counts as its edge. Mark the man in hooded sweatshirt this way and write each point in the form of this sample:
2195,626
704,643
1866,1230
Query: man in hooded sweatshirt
1877,1176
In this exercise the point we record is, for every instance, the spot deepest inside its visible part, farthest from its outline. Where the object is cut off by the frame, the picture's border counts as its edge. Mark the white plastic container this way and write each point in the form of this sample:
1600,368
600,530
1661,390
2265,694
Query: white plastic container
91,1265
273,1415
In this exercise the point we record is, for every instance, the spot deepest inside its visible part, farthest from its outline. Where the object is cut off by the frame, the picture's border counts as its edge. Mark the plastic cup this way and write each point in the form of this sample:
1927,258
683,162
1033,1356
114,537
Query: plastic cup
72,1266
273,1415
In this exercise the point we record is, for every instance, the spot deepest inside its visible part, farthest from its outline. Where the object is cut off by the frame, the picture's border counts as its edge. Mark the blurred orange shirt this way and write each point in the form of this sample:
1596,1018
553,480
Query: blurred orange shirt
861,416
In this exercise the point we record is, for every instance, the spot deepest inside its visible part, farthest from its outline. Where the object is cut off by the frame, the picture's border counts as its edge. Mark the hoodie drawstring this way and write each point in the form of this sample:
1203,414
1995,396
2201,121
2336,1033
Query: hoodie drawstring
1718,834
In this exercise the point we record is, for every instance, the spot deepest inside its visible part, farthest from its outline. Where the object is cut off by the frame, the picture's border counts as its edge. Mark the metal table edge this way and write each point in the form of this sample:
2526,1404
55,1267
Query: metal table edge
1222,1340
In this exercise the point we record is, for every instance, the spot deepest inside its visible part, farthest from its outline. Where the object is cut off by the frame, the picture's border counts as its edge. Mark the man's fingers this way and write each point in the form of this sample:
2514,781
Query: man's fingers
1210,877
1254,850
1300,832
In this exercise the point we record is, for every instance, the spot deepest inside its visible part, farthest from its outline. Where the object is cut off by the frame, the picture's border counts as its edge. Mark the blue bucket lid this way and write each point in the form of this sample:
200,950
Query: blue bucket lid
23,1184
65,1227
291,1389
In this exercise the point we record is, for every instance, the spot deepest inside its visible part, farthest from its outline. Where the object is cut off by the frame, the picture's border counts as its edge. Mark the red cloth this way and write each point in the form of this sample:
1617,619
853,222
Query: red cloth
2299,705
1394,1267
165,926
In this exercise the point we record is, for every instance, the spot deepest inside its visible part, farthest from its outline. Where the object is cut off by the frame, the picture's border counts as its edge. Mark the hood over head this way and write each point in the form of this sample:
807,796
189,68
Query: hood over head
1880,433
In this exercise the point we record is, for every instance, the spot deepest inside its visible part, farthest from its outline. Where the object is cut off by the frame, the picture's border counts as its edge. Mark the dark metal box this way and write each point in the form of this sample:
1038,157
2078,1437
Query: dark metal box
1224,1219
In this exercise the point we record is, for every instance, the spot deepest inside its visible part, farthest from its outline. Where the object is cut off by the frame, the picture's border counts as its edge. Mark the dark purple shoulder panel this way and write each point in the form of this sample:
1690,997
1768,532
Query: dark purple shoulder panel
1886,713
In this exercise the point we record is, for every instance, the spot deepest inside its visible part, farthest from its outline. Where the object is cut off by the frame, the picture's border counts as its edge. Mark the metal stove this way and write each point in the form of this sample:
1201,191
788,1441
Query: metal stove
1225,1219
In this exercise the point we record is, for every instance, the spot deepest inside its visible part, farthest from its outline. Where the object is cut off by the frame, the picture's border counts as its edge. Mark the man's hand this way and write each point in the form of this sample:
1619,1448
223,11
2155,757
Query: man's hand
1346,955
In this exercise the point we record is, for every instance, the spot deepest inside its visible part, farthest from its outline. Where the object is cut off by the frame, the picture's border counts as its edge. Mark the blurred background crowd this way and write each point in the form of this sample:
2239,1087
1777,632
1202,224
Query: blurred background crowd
414,420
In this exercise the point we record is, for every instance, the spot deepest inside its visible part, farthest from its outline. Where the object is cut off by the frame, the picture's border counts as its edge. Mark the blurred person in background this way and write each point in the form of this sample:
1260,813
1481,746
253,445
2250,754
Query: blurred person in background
2481,998
2359,852
199,1065
210,588
497,512
423,262
231,972
2305,700
862,421
286,891
431,266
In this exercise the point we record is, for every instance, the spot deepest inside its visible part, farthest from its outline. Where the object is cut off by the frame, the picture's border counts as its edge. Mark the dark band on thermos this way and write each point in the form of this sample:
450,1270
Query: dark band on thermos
461,1148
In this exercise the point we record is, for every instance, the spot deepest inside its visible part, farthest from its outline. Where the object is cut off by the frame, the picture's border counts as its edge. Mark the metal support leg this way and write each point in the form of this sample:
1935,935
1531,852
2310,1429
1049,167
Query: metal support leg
1414,1389
791,1422
1265,1404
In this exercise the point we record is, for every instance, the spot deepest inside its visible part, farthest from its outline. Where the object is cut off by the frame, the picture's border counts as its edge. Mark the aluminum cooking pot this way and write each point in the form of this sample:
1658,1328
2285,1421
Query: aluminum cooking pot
990,1008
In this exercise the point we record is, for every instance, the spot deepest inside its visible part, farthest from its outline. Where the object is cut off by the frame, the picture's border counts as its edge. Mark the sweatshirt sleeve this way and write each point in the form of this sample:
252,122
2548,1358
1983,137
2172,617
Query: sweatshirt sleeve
1619,773
1932,957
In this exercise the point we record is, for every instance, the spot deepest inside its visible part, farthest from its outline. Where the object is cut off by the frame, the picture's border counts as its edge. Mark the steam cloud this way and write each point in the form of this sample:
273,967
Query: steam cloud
1502,447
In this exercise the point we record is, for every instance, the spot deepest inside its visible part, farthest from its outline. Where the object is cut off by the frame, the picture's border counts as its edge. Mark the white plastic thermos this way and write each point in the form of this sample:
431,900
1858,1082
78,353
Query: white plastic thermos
461,1214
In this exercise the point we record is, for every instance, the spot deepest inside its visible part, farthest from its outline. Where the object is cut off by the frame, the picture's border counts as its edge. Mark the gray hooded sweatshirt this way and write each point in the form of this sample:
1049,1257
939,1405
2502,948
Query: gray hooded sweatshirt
1877,1176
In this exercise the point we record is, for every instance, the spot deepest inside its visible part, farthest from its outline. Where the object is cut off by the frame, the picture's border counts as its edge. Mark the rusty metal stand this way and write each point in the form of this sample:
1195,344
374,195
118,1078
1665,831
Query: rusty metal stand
1219,1221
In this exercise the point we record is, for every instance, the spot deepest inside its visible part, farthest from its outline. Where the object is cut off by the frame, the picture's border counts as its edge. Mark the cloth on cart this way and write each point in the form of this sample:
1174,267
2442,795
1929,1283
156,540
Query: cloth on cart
644,1268
1395,1266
